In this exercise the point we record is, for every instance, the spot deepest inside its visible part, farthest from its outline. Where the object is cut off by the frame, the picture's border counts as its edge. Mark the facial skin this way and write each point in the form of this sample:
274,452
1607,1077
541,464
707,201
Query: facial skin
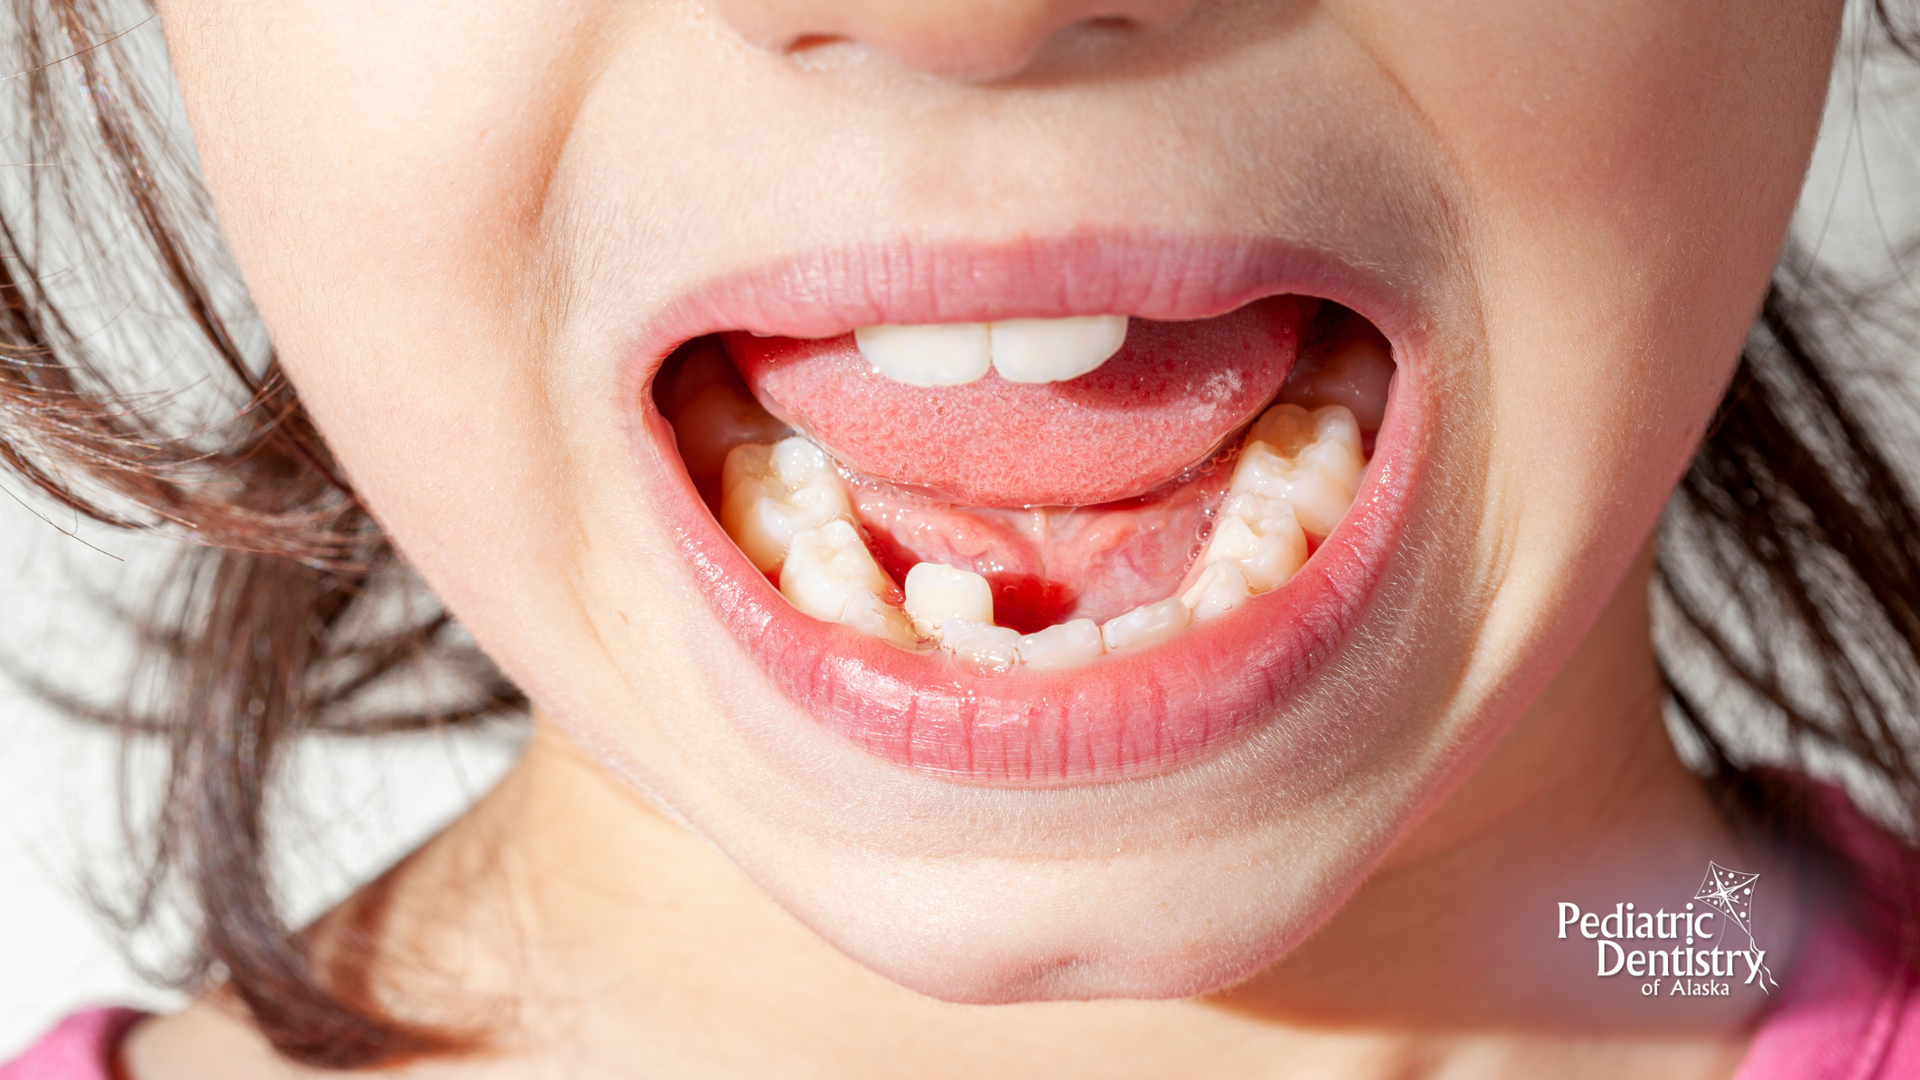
459,222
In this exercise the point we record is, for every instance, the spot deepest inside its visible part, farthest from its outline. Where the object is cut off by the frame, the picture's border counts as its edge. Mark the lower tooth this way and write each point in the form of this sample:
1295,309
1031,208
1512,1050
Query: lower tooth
1069,644
874,617
786,508
1312,461
1145,625
769,494
937,593
991,649
1220,588
1262,537
828,569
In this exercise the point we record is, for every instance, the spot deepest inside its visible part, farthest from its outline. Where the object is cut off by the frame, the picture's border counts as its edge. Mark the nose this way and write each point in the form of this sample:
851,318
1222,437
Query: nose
973,40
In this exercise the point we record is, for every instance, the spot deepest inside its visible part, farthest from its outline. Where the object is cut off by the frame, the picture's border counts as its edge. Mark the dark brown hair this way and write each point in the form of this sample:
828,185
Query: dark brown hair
1793,535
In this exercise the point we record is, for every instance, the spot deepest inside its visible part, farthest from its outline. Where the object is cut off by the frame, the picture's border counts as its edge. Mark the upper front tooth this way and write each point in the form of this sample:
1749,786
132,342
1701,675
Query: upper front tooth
769,494
937,592
948,354
1022,350
1055,350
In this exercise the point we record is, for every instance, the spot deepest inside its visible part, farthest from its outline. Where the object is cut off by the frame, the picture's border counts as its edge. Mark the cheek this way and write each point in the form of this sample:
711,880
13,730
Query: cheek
378,178
1631,170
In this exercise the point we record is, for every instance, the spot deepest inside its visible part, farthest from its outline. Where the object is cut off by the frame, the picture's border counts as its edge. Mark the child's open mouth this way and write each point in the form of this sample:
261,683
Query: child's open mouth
1040,549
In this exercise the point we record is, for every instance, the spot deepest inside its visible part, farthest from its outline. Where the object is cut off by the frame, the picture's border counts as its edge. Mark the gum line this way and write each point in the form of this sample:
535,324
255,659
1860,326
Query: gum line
787,507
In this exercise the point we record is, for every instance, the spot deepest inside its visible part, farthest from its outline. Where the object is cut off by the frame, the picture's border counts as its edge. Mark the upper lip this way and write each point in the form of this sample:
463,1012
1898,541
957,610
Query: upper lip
1150,275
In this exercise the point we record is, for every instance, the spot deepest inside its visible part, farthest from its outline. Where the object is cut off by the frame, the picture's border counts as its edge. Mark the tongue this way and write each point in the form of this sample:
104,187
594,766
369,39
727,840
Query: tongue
1159,407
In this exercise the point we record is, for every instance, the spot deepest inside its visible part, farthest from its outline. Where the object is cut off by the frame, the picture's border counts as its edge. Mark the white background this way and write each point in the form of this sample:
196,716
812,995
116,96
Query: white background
355,807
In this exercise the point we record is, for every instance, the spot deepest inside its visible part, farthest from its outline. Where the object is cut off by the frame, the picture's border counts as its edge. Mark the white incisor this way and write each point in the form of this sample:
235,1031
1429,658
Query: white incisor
787,508
937,592
1055,350
1021,350
946,354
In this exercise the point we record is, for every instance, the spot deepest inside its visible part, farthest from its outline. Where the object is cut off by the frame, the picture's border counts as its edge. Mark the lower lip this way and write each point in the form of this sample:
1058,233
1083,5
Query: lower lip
1124,715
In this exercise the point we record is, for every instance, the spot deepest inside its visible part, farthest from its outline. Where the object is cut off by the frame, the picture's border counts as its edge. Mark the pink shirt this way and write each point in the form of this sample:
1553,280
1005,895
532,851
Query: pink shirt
1848,1011
1846,1014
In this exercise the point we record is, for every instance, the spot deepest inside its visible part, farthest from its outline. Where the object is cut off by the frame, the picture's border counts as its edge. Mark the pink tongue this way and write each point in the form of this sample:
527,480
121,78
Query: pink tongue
1160,406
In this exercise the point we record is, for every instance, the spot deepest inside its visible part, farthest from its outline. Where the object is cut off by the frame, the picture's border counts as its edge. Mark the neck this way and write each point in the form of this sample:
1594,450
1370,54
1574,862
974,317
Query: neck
568,918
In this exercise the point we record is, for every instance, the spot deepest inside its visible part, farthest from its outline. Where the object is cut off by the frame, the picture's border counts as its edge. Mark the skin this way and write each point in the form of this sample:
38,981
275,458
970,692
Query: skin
453,218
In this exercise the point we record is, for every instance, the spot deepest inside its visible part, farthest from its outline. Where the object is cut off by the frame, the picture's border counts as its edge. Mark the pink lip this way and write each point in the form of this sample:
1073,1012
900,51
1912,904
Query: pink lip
1124,715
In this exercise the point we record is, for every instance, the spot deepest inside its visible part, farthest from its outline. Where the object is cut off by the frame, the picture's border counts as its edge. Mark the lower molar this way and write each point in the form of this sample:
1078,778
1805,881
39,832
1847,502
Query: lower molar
788,509
770,494
829,574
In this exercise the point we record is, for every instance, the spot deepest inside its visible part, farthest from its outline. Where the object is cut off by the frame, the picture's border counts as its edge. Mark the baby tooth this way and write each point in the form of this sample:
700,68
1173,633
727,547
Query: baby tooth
949,354
1287,428
874,617
797,461
993,649
1145,625
827,569
1070,644
936,593
1262,537
1311,460
1220,588
1291,430
1055,350
770,493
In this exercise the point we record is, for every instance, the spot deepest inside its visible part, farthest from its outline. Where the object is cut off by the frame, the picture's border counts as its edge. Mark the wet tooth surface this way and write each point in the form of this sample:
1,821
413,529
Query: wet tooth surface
874,617
1262,537
1055,350
1068,644
1353,369
828,567
1145,625
991,650
937,593
1220,589
769,494
719,417
951,354
1311,461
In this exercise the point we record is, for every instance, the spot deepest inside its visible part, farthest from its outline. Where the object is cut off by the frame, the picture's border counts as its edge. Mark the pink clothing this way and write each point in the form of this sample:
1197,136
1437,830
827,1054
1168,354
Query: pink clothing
81,1047
1847,1012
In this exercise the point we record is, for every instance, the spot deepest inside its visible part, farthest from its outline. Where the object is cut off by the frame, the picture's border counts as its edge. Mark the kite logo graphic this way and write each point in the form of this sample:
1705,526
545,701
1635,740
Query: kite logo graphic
1730,892
1725,896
